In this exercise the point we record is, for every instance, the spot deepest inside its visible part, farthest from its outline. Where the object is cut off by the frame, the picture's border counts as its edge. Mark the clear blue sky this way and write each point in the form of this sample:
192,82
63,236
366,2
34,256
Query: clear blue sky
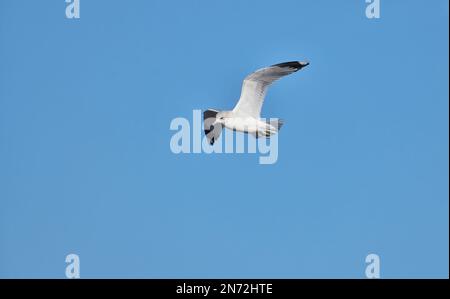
86,166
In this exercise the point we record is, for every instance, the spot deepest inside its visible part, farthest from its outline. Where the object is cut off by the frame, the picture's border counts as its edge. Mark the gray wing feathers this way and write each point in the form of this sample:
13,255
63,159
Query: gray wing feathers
255,86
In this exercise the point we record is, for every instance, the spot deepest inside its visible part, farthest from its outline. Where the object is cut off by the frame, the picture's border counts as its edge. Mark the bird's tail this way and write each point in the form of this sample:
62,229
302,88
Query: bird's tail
277,124
272,127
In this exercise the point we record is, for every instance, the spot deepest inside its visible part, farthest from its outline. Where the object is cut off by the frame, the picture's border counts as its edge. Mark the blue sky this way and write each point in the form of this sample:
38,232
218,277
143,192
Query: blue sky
86,166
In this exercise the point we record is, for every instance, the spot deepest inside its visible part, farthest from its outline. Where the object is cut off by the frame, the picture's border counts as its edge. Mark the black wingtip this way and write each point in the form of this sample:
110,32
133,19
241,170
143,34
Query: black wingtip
297,65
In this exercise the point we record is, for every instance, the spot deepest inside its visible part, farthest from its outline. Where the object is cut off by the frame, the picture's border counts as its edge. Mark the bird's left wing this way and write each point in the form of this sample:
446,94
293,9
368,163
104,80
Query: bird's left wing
212,129
256,84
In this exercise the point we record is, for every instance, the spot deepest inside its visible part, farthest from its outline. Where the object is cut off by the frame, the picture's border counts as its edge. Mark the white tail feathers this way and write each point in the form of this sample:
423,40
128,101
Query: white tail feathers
272,127
277,124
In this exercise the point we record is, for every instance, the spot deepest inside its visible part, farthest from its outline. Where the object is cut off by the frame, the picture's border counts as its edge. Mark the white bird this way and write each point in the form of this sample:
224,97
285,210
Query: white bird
246,115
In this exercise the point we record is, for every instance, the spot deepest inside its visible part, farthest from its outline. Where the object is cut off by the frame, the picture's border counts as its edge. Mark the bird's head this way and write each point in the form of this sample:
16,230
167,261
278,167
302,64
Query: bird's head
222,116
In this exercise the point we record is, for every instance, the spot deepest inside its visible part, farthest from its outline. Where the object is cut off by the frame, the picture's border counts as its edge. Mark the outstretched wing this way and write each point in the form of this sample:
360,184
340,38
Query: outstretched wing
256,84
212,131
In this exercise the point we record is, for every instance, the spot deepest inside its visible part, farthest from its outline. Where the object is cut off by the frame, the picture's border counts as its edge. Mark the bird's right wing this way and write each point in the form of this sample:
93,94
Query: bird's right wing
256,84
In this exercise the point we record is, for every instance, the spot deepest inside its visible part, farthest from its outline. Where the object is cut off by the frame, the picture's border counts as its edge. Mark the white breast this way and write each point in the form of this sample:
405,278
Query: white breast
244,124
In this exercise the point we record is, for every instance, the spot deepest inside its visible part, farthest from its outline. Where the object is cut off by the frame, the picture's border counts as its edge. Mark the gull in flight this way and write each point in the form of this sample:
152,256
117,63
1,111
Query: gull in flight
245,117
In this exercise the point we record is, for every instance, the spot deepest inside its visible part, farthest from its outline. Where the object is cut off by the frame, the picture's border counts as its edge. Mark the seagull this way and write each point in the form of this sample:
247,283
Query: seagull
246,115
